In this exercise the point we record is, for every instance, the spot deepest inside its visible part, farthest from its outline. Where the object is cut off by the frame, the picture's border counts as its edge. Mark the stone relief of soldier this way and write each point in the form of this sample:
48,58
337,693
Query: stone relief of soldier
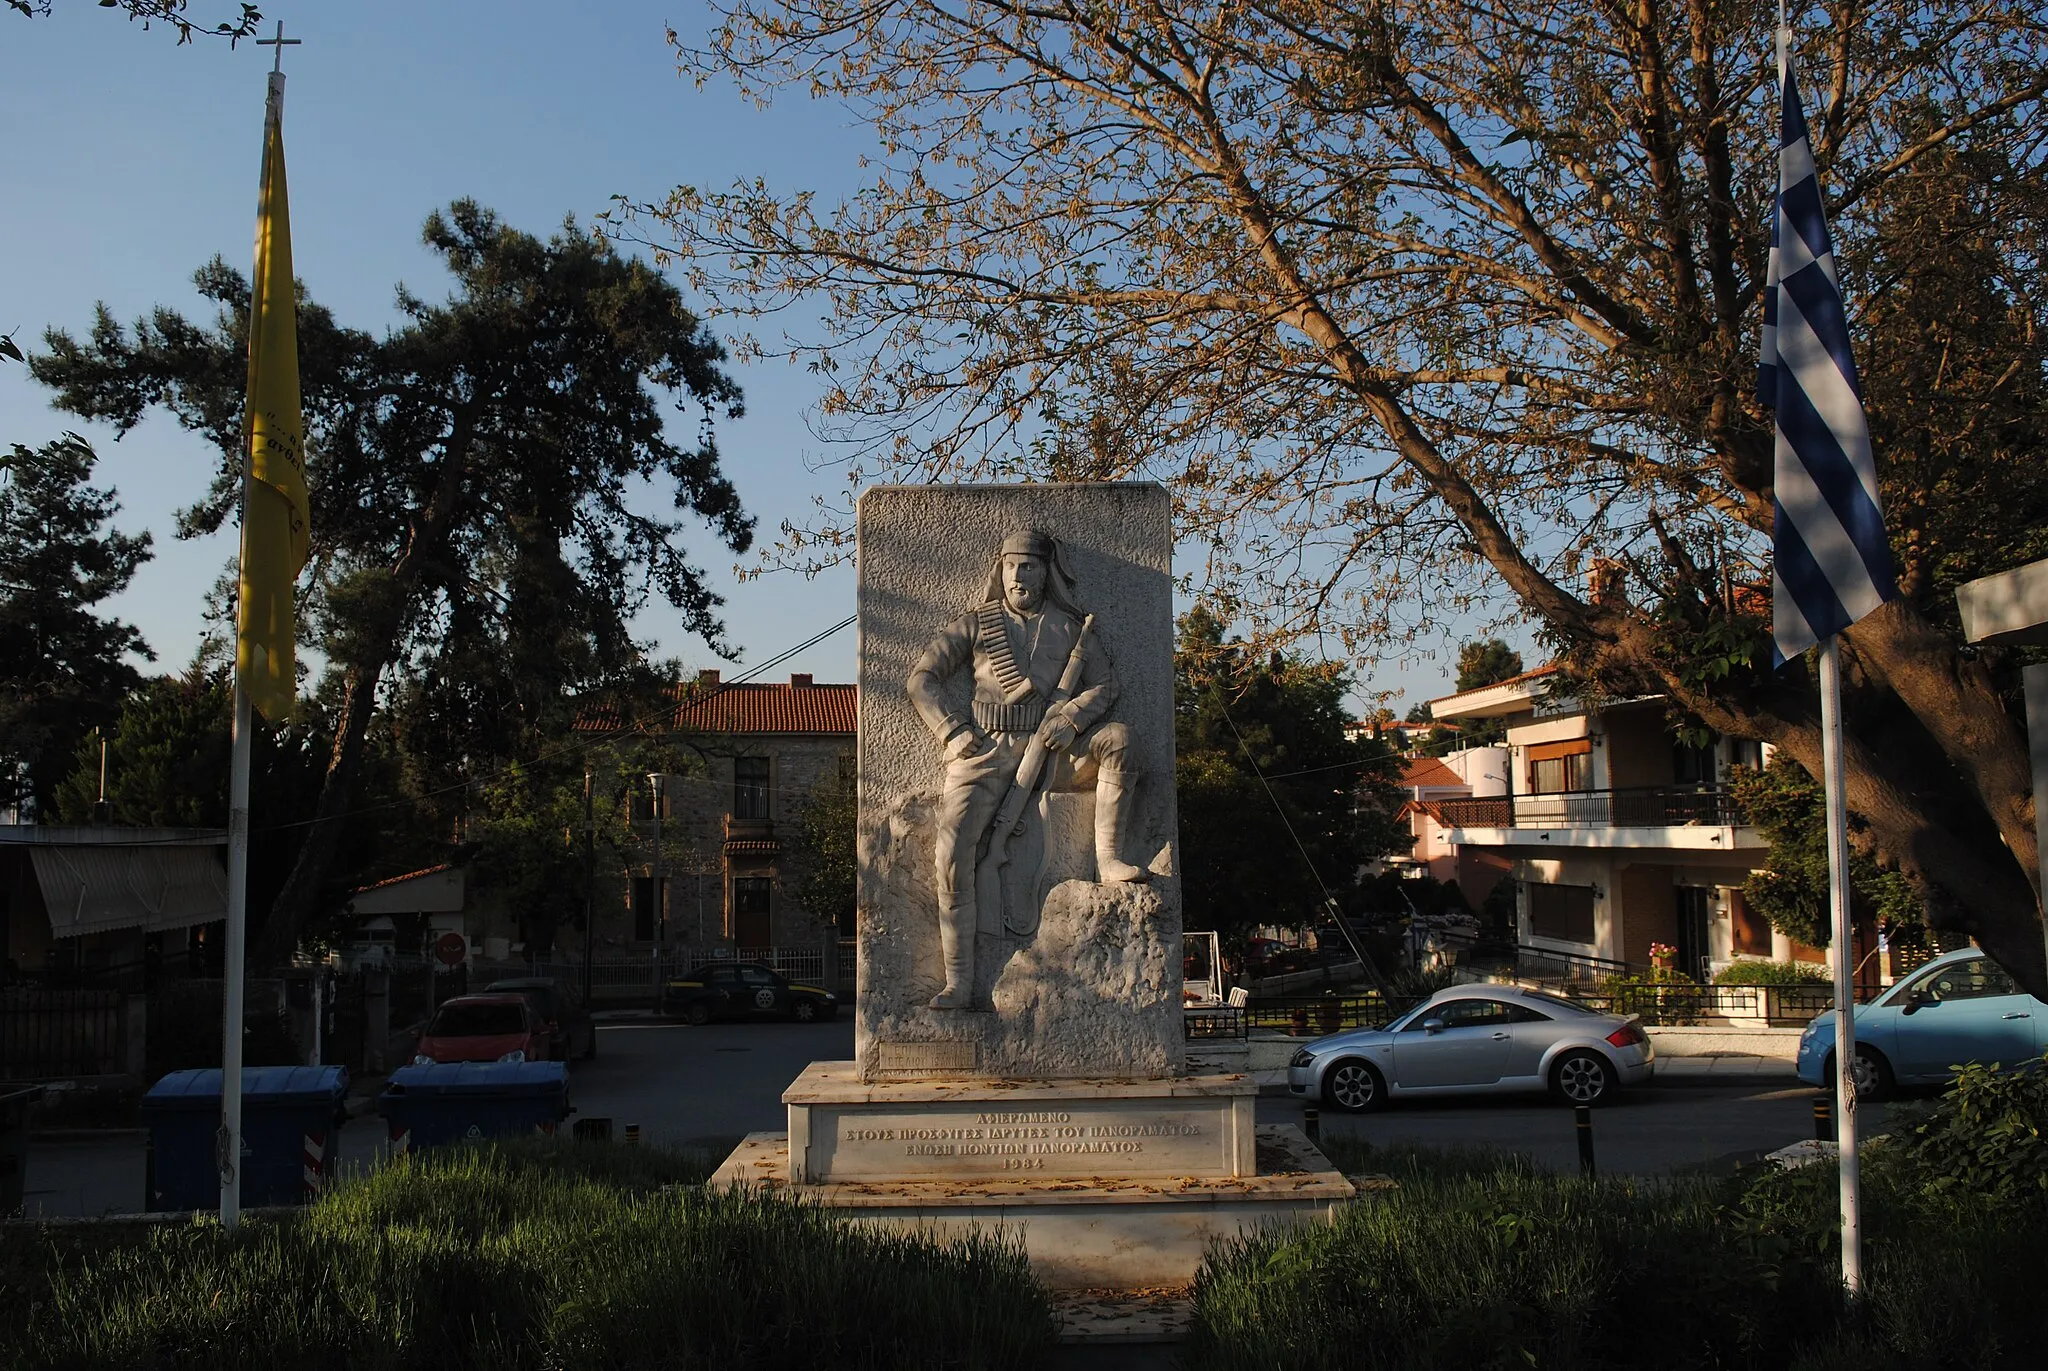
1042,684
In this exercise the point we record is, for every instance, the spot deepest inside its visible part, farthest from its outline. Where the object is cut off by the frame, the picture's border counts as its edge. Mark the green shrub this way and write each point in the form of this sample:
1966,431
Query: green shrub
1983,1140
535,1256
1477,1260
1660,996
1773,973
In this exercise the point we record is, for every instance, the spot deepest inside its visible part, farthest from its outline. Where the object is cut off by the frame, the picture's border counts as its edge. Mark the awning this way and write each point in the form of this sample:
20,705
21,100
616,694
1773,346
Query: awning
96,889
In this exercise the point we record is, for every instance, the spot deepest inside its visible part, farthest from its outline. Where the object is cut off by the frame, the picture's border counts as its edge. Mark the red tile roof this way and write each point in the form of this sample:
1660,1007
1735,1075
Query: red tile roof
704,705
408,876
1428,771
785,707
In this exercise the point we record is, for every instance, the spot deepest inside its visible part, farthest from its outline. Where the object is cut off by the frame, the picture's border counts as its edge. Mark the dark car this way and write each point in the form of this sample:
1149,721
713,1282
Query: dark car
744,990
559,1007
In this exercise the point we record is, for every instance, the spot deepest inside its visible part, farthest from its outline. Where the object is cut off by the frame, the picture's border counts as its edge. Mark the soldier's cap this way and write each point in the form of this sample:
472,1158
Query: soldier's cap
1029,542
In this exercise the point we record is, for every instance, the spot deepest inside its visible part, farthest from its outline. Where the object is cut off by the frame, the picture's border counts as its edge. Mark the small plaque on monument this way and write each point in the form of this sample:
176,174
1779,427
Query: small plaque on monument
926,1059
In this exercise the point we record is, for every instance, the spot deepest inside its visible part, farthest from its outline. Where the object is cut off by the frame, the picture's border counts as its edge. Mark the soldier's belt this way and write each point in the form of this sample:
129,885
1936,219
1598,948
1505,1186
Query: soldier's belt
993,716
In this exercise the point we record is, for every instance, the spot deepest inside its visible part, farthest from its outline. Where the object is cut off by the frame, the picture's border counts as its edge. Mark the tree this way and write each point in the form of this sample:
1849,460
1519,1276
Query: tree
1419,304
166,763
67,667
1238,715
472,478
826,850
1486,663
1791,890
167,12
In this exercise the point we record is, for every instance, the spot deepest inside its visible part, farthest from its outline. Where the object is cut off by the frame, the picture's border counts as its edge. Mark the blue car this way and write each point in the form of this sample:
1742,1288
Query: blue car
1961,1007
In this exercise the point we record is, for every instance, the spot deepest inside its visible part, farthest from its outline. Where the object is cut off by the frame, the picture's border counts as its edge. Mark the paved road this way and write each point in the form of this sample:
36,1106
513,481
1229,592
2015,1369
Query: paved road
1653,1131
704,1087
685,1087
700,1087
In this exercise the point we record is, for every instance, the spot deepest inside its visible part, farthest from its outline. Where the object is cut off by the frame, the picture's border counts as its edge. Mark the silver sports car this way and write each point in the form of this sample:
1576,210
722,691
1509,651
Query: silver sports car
1471,1039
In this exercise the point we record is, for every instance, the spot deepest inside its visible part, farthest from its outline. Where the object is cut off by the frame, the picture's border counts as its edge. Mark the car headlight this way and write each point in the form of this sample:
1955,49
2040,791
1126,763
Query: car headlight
830,996
423,1060
1301,1058
515,1056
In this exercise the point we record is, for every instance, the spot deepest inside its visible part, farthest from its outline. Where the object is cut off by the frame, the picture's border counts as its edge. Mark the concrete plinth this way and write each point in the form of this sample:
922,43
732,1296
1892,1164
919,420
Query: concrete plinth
844,1129
1101,1233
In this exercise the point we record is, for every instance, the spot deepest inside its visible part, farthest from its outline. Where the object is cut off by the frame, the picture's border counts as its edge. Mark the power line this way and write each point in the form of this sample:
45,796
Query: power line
1329,900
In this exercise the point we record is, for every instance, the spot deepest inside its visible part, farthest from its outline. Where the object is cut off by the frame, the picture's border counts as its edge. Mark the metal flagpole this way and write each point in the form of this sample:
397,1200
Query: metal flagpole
1844,960
228,1142
228,1145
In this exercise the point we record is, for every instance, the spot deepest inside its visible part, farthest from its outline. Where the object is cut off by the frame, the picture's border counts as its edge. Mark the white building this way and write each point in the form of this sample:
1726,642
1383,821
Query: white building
1619,836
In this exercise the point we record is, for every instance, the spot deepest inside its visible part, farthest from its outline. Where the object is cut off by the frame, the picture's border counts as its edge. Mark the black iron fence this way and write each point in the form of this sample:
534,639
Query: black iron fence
51,1033
1632,807
1306,1016
1679,1006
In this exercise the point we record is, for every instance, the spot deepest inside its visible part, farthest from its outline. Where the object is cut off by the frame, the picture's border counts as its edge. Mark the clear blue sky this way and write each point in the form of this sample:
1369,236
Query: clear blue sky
129,161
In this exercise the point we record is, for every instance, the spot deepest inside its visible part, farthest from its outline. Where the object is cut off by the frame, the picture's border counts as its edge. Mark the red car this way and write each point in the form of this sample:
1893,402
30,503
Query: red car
483,1028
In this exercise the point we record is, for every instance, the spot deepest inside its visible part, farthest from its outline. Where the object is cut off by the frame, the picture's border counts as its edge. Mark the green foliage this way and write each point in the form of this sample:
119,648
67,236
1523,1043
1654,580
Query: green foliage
1772,973
1487,662
522,1257
1660,995
1231,710
1986,1138
528,824
826,849
66,666
1478,1260
1790,809
496,491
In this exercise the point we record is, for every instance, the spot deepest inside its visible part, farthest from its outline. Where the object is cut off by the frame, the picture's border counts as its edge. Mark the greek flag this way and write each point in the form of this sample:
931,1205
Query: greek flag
1832,564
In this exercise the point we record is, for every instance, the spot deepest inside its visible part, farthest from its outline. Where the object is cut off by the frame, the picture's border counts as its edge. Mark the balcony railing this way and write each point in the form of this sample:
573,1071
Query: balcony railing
1637,807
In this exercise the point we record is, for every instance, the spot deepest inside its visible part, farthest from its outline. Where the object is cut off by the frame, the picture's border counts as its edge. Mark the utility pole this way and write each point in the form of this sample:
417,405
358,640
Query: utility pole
589,877
654,780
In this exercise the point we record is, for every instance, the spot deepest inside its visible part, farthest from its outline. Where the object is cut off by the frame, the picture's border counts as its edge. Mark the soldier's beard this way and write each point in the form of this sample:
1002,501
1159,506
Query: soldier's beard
1023,599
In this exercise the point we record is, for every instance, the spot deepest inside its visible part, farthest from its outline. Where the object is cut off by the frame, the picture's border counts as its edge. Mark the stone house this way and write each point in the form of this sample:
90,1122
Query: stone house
729,879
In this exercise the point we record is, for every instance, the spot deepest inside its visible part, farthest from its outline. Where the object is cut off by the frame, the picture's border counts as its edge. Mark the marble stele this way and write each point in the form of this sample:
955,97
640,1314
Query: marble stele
1019,904
1018,1028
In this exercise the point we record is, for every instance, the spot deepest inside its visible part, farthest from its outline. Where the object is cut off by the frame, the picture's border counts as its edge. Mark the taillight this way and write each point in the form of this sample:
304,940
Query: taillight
1628,1035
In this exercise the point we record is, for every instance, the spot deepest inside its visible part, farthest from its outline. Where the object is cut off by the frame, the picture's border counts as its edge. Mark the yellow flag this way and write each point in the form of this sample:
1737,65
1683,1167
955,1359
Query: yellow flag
276,522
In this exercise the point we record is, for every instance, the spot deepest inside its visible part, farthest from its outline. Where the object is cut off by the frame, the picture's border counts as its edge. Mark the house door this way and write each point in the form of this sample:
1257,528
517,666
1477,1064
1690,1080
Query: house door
750,925
1695,918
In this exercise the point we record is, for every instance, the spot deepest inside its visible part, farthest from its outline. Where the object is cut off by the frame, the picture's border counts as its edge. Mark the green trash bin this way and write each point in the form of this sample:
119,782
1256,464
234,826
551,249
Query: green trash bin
17,1105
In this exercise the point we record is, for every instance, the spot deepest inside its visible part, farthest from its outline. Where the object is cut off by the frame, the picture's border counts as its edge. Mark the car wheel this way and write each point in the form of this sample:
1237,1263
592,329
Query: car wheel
803,1011
1873,1074
1582,1077
697,1012
1352,1086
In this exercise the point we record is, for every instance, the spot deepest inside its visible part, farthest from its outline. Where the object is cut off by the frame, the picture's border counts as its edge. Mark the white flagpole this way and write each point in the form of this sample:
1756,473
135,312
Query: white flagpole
229,1144
1844,960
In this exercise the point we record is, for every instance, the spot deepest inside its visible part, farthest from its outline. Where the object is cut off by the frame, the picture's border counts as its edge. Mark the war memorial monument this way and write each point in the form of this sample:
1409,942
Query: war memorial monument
1019,1054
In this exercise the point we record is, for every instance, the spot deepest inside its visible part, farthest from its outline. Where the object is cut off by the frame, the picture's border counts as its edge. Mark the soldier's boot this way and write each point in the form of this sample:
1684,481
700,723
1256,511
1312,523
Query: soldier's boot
1113,802
956,947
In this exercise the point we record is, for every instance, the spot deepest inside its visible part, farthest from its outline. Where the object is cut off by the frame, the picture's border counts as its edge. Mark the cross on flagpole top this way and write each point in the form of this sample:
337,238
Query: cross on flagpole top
280,42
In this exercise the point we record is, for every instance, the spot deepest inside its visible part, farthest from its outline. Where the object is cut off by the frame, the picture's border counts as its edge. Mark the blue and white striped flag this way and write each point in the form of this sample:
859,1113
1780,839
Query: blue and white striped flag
1831,562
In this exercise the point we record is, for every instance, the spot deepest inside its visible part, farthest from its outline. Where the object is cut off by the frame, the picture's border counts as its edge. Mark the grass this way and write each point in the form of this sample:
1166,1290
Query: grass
1479,1261
533,1255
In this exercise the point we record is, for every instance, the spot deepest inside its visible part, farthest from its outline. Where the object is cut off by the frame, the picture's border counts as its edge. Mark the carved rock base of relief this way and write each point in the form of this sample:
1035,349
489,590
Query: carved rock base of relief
1094,992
